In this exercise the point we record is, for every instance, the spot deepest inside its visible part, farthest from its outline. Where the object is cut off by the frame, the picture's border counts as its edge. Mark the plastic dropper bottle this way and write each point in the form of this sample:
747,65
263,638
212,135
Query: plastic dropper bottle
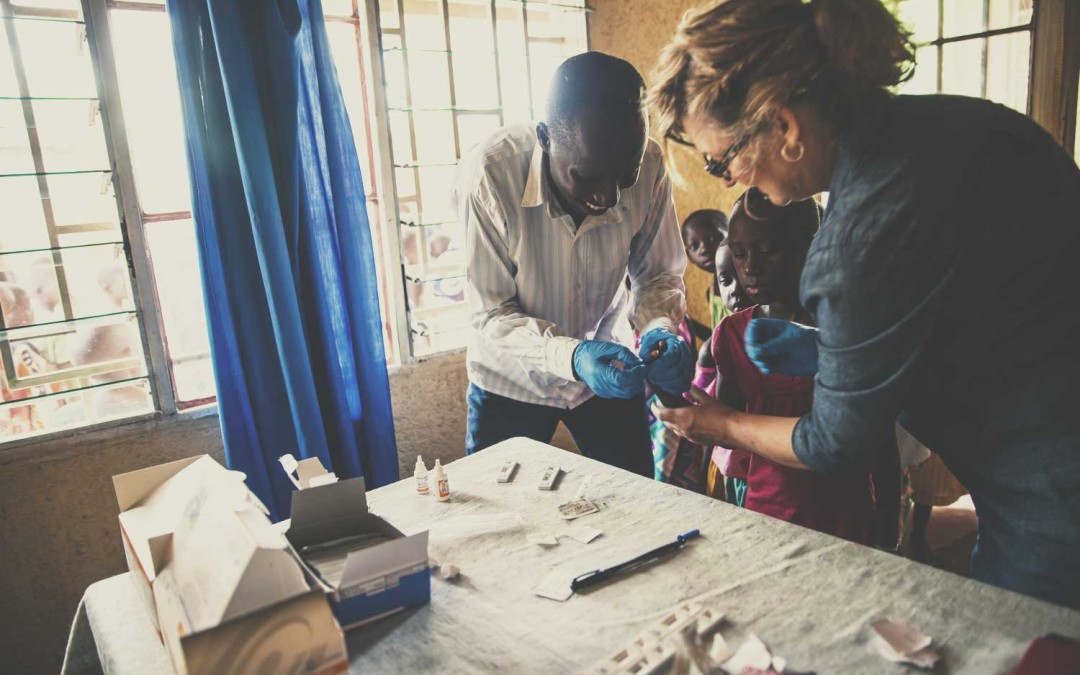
442,485
420,474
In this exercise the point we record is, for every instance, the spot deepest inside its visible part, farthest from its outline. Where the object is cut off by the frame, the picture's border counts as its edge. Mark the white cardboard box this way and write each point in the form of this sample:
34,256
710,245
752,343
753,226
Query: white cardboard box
147,519
226,590
377,580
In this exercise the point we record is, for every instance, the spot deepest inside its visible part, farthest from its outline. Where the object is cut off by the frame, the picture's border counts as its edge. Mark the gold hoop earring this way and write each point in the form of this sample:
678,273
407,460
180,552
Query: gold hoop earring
784,152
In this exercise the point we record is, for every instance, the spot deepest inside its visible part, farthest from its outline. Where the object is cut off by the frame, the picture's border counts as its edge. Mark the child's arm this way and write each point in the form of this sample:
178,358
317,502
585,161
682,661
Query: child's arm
727,389
704,356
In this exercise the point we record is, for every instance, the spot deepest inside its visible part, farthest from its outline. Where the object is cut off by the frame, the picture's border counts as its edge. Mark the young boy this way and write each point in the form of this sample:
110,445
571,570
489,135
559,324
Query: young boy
703,234
768,245
676,460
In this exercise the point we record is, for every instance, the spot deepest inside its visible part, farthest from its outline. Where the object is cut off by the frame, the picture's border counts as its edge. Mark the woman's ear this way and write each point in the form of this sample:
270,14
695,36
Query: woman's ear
789,125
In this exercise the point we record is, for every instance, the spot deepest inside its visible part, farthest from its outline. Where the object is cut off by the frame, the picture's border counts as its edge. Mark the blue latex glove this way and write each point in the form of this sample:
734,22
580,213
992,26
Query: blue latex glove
671,368
782,347
594,364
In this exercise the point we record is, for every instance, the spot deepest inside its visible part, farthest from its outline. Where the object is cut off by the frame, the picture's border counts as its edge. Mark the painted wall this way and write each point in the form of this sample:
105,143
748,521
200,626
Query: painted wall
58,530
637,30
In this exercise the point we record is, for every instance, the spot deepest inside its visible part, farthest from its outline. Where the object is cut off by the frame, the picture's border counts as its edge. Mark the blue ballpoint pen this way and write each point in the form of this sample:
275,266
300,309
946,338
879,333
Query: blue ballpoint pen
599,576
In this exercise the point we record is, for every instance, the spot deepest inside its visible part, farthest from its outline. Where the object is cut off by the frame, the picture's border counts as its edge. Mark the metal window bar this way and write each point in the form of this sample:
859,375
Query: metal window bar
417,197
528,58
151,323
493,11
45,12
382,150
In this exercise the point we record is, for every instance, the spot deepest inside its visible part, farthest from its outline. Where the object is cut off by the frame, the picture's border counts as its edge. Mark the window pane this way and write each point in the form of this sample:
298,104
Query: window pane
442,292
9,86
394,70
344,48
56,58
424,24
434,137
174,254
152,115
1006,13
71,135
925,79
429,77
68,283
474,128
71,351
921,18
512,64
470,27
337,7
962,67
388,16
474,80
439,329
82,204
1007,69
23,225
70,375
15,156
963,17
545,58
433,252
72,5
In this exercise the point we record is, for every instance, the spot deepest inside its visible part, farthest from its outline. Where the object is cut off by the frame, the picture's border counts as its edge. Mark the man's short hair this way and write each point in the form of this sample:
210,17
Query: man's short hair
592,83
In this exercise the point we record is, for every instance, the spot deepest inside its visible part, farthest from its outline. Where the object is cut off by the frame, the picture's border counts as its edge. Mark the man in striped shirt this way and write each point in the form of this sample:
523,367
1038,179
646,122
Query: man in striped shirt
556,217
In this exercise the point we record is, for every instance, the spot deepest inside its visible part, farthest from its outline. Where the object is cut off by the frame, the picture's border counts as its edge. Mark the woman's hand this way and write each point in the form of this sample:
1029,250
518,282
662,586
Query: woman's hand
704,423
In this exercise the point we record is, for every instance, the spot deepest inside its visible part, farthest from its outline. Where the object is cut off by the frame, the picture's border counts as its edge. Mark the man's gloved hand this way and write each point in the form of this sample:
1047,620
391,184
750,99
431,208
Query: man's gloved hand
669,361
609,369
781,347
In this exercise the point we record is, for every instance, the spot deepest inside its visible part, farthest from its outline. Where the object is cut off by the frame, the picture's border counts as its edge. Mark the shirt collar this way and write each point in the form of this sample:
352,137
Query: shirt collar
537,191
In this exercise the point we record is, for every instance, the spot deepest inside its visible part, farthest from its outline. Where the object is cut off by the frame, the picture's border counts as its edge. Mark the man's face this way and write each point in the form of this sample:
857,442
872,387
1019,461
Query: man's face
591,163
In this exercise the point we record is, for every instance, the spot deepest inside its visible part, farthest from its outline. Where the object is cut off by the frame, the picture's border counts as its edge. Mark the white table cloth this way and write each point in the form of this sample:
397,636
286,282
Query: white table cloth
809,596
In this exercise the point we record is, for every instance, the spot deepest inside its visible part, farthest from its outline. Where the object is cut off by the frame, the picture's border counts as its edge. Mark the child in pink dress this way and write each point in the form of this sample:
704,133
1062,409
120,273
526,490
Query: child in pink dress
768,245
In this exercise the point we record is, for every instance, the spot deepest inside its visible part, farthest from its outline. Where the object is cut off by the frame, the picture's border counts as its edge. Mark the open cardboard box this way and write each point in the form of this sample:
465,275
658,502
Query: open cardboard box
375,581
226,589
151,504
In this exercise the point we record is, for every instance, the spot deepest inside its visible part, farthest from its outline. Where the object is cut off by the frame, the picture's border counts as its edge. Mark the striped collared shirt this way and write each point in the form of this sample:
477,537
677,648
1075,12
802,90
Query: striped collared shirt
536,287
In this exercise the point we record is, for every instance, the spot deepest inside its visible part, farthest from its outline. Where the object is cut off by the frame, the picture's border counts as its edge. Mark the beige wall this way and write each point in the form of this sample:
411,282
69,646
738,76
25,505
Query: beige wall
637,30
58,528
58,531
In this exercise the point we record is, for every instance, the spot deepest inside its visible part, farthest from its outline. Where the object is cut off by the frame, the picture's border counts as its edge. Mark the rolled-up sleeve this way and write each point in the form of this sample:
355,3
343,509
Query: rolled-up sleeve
876,302
656,265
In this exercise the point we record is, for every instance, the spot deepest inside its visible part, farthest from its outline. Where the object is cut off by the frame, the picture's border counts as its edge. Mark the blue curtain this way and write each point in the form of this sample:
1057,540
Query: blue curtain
286,257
